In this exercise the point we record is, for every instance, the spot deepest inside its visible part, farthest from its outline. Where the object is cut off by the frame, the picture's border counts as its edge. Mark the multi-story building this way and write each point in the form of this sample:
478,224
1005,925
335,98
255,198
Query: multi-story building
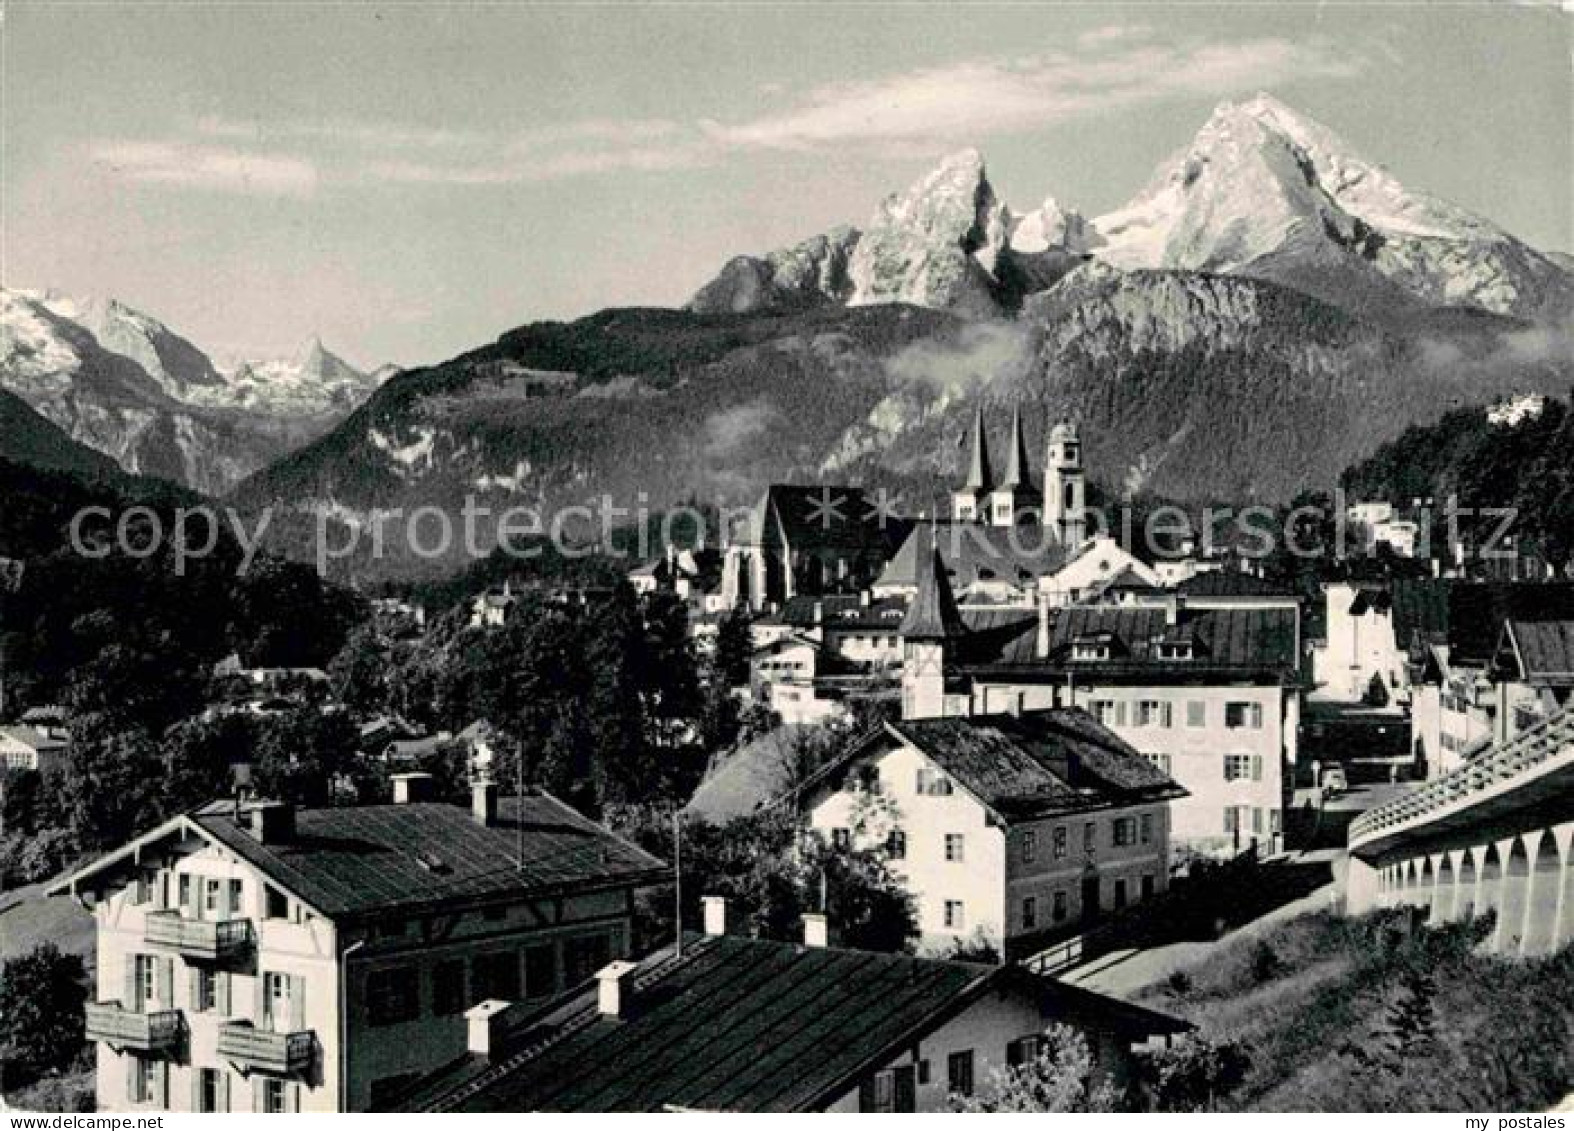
1005,828
724,1023
263,958
1210,694
32,748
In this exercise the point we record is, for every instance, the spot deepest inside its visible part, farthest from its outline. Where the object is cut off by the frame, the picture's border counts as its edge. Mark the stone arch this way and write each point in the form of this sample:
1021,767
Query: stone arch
1489,888
1445,891
1426,889
1466,887
1515,885
1565,931
1544,895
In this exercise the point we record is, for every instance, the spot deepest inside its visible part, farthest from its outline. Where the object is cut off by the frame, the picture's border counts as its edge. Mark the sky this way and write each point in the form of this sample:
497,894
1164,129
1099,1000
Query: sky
410,180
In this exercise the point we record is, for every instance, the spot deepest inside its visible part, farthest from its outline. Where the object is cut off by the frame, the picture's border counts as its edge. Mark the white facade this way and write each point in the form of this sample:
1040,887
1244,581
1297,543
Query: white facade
1359,645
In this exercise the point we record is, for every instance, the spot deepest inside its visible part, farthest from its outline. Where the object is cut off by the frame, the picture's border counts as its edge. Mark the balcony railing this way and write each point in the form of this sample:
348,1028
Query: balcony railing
1496,764
122,1029
198,938
258,1050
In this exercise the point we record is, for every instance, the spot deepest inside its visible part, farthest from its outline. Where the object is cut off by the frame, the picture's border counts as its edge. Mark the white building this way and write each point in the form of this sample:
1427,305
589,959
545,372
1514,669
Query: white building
1013,829
32,748
272,960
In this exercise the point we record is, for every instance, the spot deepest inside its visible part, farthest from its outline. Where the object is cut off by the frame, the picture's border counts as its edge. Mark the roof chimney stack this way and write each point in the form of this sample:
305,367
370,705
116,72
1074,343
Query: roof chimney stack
483,801
816,930
718,916
614,990
412,787
273,822
485,1023
1041,641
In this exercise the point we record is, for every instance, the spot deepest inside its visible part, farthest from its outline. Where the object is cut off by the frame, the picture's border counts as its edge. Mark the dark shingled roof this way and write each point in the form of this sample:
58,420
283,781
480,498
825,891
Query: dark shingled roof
933,614
1243,641
976,551
979,476
1230,583
1020,766
843,613
825,516
743,1025
1543,650
372,859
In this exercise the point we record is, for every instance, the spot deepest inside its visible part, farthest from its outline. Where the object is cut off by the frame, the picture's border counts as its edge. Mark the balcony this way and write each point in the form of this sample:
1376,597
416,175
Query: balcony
198,938
256,1050
124,1029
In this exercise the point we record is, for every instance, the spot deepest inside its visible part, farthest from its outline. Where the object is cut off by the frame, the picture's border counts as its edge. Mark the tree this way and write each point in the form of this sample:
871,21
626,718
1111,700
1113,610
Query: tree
42,995
734,644
1061,1078
304,757
111,782
1193,1074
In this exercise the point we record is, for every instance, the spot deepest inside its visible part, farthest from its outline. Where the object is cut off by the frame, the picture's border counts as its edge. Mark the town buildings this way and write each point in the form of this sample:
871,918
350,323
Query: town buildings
752,1025
263,958
36,748
1009,829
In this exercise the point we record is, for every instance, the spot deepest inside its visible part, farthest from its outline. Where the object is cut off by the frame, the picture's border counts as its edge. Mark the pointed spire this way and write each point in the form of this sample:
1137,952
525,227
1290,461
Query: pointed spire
979,477
933,615
1017,473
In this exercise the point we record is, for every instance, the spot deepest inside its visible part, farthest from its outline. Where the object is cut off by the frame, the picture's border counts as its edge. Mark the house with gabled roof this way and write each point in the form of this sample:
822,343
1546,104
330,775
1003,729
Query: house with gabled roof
39,749
1013,828
728,1024
259,957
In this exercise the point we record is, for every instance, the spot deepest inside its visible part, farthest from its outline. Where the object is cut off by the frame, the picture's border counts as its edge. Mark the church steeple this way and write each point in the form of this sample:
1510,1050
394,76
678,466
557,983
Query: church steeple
968,502
1065,491
1017,474
933,623
1015,499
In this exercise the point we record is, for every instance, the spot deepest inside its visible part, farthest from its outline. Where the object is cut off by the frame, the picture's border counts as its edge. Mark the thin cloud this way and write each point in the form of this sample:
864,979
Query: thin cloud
207,167
978,97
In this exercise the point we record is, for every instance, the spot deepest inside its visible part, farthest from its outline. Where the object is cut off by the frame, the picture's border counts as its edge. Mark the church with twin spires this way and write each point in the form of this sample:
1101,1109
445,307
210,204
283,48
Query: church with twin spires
1013,499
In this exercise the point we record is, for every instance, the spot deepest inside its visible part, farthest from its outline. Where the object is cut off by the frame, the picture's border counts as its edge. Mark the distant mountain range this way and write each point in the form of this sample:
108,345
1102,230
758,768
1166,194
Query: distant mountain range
1269,310
124,384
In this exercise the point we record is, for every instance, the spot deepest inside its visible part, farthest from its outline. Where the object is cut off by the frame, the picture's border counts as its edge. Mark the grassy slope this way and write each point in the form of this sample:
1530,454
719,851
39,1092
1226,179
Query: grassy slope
1505,1029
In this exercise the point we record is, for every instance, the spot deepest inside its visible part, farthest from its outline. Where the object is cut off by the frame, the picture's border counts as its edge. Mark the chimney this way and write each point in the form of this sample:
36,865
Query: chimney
485,1023
717,915
613,997
1172,609
865,597
273,822
412,787
819,611
816,930
1041,644
483,801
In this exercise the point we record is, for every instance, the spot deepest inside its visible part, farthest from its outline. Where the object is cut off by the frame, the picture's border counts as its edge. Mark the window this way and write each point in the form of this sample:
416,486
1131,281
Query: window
1147,887
953,848
1146,833
144,1079
1029,913
540,971
955,916
868,779
235,899
204,991
1060,842
1243,767
893,1090
896,845
932,783
1243,819
1089,837
448,988
585,955
1024,1050
1029,846
841,839
1058,908
1152,713
959,1073
210,906
142,983
272,1095
1123,831
1243,716
391,995
495,975
276,905
1175,650
1196,713
210,1090
1164,762
1120,894
1104,711
184,889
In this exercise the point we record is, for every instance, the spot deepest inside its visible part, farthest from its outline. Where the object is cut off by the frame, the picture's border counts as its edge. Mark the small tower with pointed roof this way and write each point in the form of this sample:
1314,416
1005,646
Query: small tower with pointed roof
970,502
1015,499
932,626
1065,490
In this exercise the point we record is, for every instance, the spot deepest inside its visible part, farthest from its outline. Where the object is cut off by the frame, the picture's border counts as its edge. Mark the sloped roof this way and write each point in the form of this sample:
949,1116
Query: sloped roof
746,1025
1543,650
933,614
1244,640
1230,583
824,516
751,776
980,478
1019,476
34,738
844,612
977,552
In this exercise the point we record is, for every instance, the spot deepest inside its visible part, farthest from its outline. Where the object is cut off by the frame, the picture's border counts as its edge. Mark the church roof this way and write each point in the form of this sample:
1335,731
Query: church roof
933,614
1018,475
979,476
826,516
977,552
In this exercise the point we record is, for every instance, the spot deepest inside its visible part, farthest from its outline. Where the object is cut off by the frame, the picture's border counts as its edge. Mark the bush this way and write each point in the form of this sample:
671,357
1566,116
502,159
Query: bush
42,994
1193,1074
1061,1078
1266,963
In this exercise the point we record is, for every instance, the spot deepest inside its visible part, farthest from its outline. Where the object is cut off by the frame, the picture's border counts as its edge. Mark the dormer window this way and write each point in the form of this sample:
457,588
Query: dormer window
1175,650
1090,650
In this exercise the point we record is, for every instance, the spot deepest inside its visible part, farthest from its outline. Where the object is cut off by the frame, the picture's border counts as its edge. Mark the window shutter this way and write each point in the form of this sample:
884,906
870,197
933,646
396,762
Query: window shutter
194,990
260,1002
223,1096
1120,713
130,1001
133,1078
164,988
259,1092
297,1002
866,1096
292,1098
1256,767
221,992
1169,714
196,1089
161,1084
